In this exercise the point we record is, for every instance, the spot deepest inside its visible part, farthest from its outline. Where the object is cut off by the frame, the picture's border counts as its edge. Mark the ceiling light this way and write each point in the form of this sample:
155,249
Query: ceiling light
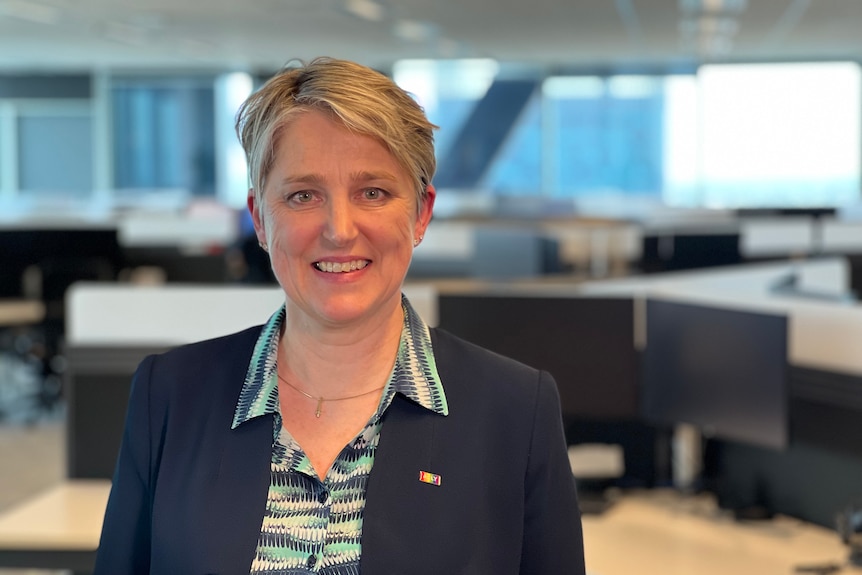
720,26
125,33
365,9
413,30
30,11
448,48
712,6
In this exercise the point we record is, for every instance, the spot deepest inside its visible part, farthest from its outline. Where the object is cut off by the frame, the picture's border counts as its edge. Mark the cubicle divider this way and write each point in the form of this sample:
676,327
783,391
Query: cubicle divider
816,474
112,327
97,385
588,344
824,366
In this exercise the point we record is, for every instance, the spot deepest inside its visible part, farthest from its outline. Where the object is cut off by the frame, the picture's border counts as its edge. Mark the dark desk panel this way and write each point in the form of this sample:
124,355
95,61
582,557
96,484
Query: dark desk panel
98,381
62,254
722,370
586,343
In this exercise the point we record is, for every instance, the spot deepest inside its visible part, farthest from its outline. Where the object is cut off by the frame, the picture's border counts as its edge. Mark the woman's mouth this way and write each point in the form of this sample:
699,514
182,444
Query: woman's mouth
341,267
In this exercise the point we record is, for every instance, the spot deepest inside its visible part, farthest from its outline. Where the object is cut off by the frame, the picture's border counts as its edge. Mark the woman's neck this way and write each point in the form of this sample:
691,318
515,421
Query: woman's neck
332,361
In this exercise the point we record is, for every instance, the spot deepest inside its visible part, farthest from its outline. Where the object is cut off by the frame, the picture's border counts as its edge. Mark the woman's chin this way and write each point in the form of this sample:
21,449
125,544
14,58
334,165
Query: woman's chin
350,311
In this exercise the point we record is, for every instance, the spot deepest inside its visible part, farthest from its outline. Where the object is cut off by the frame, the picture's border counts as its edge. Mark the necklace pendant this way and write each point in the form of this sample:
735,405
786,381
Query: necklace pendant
319,404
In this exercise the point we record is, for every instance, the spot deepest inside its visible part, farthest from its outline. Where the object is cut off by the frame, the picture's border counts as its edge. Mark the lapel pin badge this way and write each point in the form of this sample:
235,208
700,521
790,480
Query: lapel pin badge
428,477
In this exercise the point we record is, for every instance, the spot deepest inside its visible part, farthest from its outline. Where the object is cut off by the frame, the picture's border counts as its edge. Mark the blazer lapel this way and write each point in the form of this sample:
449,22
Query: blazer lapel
239,496
406,448
241,485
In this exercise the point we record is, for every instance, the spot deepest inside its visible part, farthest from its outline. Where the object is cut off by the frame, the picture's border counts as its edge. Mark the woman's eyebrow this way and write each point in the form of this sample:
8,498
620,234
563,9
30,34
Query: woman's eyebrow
361,176
366,176
303,179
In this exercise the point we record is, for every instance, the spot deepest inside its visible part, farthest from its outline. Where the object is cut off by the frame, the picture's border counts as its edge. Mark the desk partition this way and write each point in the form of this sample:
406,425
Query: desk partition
586,343
111,331
817,473
722,370
112,327
62,253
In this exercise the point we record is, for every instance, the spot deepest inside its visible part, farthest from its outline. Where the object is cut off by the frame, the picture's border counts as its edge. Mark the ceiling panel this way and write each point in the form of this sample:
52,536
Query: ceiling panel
253,34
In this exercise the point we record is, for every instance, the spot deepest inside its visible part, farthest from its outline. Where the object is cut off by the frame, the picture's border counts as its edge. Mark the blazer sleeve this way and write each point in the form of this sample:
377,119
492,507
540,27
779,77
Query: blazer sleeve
553,536
124,546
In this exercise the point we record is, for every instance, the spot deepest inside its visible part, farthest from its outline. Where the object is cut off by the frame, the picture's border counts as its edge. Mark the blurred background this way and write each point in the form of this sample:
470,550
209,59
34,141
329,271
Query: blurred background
618,138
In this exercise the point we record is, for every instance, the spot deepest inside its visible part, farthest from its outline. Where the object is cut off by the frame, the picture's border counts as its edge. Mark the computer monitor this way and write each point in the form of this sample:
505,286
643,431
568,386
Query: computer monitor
721,370
62,254
688,250
586,343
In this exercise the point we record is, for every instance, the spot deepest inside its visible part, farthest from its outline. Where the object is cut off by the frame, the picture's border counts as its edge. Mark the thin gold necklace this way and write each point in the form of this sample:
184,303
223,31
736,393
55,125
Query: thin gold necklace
320,400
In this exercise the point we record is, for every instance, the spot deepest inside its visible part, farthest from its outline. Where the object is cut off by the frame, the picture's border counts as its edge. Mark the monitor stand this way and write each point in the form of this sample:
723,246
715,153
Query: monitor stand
596,467
593,496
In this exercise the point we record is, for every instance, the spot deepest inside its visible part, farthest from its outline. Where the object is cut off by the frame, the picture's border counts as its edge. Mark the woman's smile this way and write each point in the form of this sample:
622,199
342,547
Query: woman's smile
339,215
341,266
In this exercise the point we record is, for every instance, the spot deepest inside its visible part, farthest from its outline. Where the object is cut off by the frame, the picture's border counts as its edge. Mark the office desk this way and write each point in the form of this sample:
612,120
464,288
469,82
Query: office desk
21,312
663,533
647,533
58,529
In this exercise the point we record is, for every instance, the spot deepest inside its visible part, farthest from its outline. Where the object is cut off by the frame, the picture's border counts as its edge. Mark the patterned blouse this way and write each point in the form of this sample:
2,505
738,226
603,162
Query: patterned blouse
314,526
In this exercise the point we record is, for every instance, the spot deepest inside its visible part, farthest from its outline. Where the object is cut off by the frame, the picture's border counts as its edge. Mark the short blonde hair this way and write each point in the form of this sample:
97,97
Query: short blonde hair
363,99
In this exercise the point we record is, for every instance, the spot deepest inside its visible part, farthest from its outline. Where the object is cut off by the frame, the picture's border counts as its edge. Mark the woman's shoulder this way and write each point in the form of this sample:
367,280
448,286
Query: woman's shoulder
454,353
220,344
211,355
481,385
195,378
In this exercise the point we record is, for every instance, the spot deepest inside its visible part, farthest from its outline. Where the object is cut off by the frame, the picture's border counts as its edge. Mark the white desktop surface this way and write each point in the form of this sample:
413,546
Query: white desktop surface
65,517
828,274
663,533
113,314
171,314
166,229
840,236
447,240
823,335
645,533
769,237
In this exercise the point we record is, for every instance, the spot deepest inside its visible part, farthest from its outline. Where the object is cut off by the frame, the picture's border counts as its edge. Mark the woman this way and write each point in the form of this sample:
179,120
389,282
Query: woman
344,435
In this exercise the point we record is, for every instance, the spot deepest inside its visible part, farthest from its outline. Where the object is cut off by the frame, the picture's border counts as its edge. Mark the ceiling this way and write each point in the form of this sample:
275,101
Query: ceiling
264,34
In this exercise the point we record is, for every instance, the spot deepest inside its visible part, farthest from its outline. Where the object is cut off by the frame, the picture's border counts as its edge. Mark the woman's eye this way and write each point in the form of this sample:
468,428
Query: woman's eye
373,194
301,197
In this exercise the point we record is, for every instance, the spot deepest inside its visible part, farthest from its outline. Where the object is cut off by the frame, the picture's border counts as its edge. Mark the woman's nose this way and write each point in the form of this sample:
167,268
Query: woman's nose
340,227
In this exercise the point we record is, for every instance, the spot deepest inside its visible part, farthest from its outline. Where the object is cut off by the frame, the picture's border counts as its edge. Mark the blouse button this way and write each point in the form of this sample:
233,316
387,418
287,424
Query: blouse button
311,562
322,496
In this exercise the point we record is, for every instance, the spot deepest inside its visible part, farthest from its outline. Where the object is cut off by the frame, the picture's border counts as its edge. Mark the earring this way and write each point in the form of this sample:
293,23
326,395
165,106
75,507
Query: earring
263,246
416,241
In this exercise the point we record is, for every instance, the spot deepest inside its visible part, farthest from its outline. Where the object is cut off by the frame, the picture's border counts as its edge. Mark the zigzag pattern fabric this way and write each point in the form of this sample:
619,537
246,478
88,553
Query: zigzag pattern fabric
259,394
415,372
314,526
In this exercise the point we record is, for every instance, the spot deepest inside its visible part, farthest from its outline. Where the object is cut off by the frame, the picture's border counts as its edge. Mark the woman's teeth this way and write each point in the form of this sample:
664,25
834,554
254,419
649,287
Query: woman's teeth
340,267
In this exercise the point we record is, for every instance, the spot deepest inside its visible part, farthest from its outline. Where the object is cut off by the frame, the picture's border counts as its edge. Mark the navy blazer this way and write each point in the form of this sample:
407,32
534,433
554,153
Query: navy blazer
189,492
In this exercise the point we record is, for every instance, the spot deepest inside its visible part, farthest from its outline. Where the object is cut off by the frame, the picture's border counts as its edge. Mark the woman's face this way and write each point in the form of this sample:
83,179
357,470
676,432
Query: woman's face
339,216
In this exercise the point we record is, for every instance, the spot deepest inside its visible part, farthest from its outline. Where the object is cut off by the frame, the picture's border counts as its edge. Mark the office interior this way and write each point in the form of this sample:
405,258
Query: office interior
659,202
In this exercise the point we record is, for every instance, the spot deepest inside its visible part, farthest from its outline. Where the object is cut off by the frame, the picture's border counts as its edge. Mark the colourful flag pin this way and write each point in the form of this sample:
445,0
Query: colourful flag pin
428,477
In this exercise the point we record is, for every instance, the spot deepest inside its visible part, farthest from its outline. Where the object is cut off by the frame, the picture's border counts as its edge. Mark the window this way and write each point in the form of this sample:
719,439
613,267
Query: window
55,153
780,135
164,134
46,139
447,90
604,133
577,135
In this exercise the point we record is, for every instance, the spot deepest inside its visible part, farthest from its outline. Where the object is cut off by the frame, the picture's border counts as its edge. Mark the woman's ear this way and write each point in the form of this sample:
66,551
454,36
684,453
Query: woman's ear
426,210
256,210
